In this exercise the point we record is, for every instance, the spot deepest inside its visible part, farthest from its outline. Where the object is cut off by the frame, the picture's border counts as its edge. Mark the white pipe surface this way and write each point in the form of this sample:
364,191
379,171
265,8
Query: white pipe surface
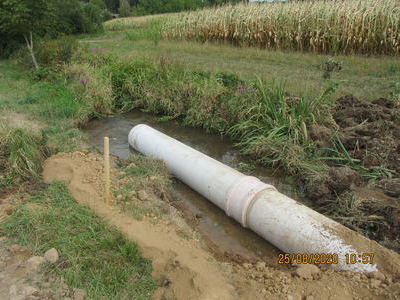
287,224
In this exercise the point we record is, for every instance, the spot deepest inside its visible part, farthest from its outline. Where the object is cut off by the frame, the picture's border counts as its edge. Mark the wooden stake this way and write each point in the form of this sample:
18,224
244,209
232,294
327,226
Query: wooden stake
107,184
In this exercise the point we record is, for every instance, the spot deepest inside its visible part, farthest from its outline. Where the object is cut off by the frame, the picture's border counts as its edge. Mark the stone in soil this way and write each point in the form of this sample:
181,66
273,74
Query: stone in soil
51,255
307,271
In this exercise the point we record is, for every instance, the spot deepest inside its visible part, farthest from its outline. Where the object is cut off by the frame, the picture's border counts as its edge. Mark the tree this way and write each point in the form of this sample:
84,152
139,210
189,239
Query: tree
112,5
99,3
124,8
25,18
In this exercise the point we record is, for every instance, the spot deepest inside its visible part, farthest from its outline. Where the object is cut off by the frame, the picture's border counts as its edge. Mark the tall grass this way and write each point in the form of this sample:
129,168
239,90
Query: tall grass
275,129
353,26
21,153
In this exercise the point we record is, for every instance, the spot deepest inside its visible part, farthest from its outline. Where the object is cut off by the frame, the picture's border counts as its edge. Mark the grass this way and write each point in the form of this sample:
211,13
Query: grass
38,118
21,153
342,157
365,77
93,256
256,113
142,173
42,121
51,104
13,83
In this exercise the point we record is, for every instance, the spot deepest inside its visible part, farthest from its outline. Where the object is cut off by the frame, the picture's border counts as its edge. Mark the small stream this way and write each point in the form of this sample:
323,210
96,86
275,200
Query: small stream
225,234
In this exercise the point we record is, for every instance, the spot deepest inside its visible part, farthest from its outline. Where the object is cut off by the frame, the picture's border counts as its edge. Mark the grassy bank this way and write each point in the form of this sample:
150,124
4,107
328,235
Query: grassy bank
93,256
39,118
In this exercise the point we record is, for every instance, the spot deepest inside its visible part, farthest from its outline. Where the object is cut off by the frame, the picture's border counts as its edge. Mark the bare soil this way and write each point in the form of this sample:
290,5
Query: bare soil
371,132
185,269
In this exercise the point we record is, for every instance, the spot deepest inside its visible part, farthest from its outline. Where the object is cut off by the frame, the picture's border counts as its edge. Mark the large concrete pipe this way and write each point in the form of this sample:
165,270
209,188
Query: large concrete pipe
287,224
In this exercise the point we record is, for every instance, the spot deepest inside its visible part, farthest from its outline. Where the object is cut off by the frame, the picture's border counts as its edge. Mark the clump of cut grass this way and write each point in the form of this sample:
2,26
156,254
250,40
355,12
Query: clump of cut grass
366,27
94,256
21,153
341,157
374,217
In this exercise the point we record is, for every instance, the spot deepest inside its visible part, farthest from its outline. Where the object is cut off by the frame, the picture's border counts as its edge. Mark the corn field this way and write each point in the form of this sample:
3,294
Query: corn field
337,26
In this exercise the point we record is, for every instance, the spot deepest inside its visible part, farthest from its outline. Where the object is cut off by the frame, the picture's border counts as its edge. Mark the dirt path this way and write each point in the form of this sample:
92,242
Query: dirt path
185,270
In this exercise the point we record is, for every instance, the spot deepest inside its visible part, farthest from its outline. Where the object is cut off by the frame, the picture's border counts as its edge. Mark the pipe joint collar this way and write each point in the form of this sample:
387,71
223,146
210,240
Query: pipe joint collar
241,195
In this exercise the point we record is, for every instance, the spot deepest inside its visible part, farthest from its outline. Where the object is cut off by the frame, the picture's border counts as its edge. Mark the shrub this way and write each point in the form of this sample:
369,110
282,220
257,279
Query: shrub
329,66
52,19
75,17
56,52
124,8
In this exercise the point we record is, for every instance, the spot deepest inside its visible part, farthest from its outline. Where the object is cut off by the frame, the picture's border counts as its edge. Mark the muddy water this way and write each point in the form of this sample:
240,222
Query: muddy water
224,235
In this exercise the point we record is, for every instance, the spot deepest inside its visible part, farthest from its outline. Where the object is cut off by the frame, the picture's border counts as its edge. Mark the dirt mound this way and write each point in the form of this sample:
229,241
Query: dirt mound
370,131
185,270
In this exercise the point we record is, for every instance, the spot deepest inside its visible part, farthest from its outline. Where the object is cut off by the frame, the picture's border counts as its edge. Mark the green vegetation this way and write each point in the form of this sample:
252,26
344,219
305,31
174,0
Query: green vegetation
256,113
366,78
142,173
39,118
124,8
94,257
22,21
145,7
21,155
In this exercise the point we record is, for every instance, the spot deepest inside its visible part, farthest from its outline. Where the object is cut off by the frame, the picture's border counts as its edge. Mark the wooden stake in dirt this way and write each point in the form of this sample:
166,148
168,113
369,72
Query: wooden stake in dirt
107,184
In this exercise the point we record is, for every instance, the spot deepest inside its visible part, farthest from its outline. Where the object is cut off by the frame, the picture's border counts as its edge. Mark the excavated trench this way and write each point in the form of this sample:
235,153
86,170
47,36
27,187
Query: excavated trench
224,236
